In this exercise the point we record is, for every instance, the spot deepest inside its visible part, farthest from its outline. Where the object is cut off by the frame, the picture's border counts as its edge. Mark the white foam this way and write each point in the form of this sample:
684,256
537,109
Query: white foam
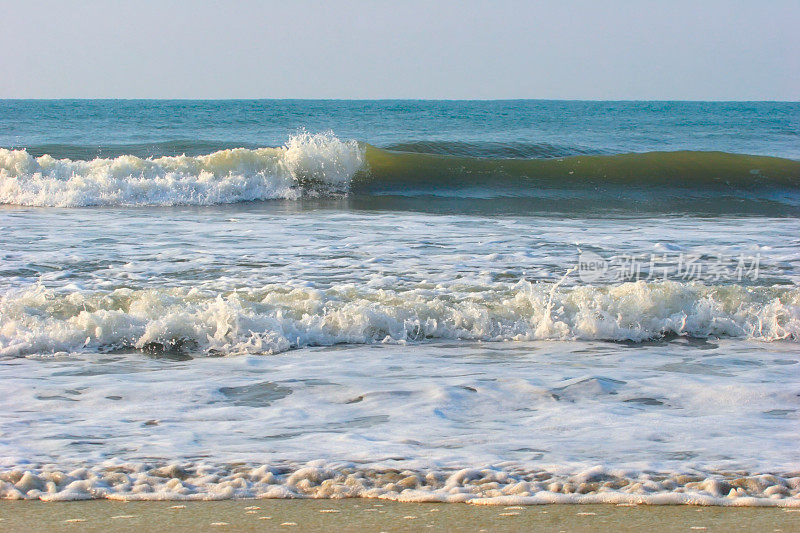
306,164
276,318
316,479
583,413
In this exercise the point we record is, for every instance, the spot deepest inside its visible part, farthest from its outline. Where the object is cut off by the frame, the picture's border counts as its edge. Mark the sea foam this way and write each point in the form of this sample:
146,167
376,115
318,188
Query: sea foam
316,479
306,164
276,318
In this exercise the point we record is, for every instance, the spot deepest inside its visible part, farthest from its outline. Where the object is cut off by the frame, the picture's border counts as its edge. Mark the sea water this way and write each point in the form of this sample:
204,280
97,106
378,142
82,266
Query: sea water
492,302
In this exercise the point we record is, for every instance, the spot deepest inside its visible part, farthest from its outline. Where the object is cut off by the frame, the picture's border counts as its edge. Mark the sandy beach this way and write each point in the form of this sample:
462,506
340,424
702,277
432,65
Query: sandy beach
376,515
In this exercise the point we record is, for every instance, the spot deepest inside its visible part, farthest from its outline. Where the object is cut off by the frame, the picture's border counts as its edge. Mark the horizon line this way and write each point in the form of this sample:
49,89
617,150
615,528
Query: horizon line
181,99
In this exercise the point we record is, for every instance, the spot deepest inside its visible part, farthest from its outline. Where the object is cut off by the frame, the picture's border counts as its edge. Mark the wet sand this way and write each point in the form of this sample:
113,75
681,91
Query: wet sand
376,515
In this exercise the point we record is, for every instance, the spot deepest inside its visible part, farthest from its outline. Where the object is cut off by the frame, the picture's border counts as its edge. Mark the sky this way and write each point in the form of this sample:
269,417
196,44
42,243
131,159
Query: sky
592,50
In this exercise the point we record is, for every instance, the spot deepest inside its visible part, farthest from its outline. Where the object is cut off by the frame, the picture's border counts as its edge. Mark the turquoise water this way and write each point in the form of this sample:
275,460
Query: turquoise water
197,127
513,300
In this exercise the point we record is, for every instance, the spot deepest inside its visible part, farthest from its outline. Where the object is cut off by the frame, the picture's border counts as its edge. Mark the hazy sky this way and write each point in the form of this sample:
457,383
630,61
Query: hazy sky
700,49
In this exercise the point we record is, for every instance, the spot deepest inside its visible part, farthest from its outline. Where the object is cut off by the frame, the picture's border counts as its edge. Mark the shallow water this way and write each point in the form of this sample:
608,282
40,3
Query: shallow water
428,406
434,300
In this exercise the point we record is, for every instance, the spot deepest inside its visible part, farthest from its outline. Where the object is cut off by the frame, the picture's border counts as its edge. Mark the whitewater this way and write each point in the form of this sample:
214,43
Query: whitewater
507,303
226,176
322,164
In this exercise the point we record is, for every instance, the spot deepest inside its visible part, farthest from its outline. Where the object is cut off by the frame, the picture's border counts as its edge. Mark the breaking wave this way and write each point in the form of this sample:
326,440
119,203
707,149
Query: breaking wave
321,164
307,164
277,318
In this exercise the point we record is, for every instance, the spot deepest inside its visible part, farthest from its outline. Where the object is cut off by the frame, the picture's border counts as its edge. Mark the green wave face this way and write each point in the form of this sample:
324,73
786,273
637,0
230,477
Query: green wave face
687,169
493,149
460,176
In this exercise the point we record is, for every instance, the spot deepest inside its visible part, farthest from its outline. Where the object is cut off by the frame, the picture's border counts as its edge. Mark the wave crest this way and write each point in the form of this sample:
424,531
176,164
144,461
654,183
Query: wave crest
307,164
493,150
321,164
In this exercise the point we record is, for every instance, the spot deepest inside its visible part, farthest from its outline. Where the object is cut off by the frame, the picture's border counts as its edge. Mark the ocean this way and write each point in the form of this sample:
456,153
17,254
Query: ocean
503,302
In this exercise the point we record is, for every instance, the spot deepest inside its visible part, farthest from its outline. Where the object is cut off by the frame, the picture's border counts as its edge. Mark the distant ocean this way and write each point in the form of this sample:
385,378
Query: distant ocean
504,302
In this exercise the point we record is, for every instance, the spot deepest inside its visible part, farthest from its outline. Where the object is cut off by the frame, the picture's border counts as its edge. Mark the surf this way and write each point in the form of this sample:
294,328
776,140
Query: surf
322,165
279,317
306,165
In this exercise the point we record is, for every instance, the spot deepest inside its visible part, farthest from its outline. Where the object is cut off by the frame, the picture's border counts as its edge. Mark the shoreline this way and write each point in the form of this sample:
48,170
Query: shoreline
489,486
316,481
379,515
